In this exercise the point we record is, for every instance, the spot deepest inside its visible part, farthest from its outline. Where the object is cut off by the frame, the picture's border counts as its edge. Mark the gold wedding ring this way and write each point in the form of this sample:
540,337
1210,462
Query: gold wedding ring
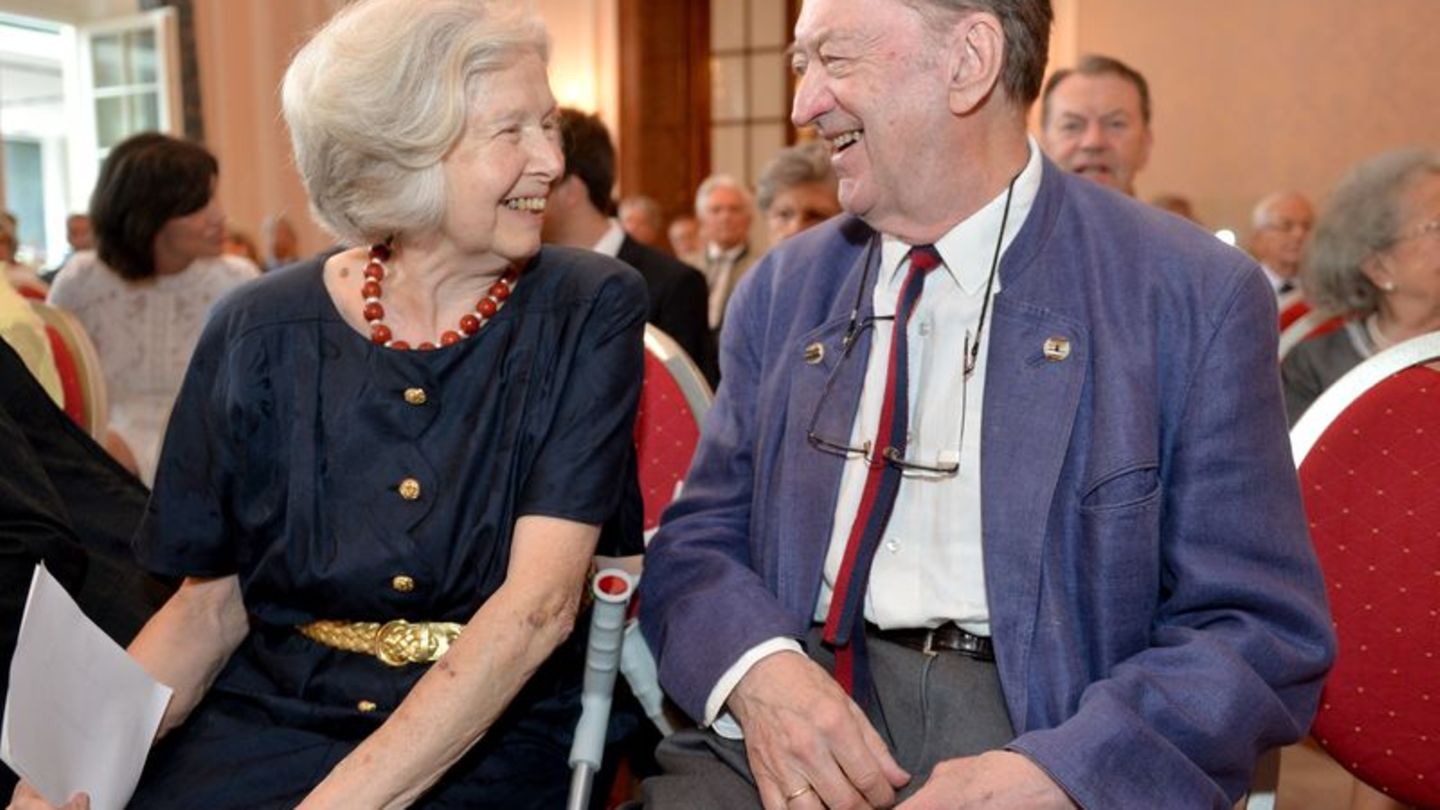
795,794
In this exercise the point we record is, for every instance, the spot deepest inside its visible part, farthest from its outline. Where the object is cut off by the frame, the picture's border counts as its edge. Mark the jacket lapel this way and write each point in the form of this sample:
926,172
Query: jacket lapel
810,509
1036,369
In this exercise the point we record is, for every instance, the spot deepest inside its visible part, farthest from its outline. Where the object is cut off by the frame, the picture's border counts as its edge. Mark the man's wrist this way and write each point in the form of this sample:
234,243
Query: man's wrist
720,693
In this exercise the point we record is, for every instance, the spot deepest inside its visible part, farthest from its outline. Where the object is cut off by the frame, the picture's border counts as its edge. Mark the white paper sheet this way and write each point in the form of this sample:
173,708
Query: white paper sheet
81,713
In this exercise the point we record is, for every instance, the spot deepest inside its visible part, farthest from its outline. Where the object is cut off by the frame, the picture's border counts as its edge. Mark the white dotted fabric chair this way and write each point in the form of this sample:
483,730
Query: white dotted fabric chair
1310,324
1368,453
673,403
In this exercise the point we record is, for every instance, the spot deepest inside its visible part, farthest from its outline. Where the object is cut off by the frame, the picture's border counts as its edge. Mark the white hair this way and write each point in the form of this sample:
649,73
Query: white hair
379,96
710,184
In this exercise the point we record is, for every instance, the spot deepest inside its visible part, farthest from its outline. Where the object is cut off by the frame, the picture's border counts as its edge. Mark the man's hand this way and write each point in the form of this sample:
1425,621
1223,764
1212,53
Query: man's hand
995,780
802,730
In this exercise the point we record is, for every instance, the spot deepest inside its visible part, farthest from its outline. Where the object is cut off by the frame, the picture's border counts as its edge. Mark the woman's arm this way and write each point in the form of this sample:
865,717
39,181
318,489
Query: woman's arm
187,641
454,704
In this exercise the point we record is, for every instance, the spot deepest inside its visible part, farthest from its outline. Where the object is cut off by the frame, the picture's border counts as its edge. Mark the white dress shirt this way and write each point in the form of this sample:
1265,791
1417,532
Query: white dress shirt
610,243
1277,282
928,569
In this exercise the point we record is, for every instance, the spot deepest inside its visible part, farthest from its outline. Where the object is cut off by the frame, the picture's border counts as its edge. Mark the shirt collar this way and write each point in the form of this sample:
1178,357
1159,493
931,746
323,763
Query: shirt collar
715,253
609,244
968,248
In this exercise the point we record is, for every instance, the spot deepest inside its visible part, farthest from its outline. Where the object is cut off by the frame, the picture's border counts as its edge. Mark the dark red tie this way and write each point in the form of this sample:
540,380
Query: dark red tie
844,622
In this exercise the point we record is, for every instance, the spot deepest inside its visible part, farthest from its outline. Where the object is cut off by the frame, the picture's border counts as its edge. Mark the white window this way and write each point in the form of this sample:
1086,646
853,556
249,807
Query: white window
70,89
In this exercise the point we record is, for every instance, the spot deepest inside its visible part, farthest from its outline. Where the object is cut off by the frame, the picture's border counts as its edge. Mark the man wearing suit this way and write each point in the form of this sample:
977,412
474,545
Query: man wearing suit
724,209
576,214
995,506
1279,228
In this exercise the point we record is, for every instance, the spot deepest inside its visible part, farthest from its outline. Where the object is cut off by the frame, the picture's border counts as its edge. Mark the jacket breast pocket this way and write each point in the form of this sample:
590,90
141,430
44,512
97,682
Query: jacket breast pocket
1119,554
1129,487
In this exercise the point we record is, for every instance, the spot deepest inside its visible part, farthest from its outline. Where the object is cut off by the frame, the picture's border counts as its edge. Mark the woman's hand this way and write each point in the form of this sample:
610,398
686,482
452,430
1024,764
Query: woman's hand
455,702
28,798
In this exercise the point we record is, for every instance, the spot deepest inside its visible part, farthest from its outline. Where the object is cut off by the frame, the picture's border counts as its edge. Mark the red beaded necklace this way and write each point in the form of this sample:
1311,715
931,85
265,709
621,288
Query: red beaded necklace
470,322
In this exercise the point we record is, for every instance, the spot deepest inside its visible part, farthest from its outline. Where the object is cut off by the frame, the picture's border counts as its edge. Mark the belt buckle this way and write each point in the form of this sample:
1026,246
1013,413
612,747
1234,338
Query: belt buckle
394,643
399,642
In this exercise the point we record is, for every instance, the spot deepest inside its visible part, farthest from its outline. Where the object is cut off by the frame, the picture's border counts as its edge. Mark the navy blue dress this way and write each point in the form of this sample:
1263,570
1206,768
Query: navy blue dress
282,463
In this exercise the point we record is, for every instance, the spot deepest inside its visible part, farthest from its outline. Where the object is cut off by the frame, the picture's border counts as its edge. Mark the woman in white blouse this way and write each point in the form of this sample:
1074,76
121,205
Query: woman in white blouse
145,291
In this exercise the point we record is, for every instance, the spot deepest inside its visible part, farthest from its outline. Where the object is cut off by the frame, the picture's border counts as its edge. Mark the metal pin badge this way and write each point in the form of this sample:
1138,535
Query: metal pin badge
1056,349
814,353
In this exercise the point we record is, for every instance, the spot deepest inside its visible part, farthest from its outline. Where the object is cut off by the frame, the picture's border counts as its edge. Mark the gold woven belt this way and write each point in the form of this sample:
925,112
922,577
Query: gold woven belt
397,642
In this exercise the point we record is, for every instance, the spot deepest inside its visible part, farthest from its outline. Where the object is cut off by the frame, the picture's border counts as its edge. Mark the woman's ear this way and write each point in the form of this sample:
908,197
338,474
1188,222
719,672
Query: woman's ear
1378,271
975,56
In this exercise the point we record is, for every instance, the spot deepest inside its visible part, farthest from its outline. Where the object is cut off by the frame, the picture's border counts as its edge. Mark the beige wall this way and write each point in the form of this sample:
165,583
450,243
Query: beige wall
1252,96
243,49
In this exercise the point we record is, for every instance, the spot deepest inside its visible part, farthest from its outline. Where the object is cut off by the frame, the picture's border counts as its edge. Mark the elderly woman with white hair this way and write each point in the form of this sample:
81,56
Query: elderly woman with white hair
389,469
1375,258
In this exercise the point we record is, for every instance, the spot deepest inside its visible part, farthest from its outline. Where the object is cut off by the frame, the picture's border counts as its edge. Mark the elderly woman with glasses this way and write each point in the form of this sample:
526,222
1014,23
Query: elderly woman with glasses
389,469
1374,257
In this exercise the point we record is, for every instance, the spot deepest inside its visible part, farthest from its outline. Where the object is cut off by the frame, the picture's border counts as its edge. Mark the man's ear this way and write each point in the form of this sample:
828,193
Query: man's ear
975,56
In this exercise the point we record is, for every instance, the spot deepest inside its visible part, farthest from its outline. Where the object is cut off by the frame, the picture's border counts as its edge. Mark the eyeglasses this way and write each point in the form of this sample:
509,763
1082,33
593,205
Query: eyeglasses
857,326
1288,226
942,468
1431,228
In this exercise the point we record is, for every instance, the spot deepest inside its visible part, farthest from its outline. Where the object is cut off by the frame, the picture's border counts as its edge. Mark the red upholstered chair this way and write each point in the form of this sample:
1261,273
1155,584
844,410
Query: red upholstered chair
31,290
1291,305
81,379
1311,324
667,426
1368,452
673,402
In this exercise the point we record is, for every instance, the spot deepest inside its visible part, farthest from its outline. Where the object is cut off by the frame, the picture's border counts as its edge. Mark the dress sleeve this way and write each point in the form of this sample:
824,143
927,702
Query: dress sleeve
187,526
584,466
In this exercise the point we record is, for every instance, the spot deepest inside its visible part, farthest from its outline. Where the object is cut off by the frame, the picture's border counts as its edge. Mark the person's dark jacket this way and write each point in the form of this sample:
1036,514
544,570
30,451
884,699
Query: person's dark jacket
679,302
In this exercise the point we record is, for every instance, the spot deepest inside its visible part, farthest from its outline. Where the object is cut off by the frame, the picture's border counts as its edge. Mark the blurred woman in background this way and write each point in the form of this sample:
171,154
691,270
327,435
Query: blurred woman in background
797,189
144,292
1374,257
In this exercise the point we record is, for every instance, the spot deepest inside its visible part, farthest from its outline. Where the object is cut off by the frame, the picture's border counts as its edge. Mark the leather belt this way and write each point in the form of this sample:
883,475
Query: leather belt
948,637
396,643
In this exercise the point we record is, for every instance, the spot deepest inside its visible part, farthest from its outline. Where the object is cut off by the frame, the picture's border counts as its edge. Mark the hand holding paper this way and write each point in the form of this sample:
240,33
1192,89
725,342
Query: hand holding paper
81,713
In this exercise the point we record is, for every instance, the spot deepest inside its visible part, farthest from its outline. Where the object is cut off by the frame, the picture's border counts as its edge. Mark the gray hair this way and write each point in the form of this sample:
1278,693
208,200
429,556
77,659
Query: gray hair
379,96
798,165
645,205
1026,25
1093,65
1361,219
715,182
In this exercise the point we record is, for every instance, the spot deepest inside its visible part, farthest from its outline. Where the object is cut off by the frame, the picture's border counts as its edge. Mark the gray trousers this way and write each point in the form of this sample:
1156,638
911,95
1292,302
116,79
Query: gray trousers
927,708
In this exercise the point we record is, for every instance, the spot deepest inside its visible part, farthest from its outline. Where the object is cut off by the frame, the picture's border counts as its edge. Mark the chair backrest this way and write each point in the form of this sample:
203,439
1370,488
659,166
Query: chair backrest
1311,324
78,362
1368,453
667,426
1291,305
31,291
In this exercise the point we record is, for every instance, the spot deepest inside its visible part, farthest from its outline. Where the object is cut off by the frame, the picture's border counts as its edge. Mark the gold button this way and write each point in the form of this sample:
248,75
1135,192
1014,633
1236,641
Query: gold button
402,583
410,489
366,705
415,396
